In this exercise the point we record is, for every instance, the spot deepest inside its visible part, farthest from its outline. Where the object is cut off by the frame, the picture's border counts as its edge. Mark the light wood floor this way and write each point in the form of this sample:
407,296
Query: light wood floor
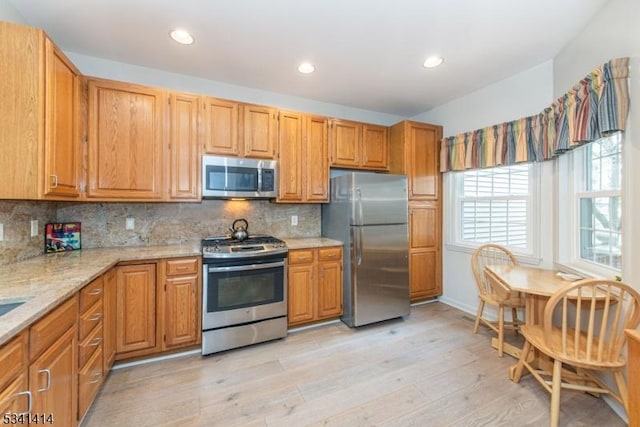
426,370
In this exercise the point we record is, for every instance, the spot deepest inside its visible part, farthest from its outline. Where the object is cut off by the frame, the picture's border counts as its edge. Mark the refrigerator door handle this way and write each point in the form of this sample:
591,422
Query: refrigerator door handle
359,219
359,246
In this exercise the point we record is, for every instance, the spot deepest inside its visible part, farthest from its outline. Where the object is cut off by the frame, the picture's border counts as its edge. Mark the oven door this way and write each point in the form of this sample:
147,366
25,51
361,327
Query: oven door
243,293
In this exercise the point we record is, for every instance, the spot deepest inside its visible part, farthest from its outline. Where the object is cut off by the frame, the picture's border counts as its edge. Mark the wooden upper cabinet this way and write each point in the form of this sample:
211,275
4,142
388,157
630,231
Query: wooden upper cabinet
290,164
126,141
63,149
259,131
316,159
375,147
184,152
39,120
414,151
357,145
220,123
345,143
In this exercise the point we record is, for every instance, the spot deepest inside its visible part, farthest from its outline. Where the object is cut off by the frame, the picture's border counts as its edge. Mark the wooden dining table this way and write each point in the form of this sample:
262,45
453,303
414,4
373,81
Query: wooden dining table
536,284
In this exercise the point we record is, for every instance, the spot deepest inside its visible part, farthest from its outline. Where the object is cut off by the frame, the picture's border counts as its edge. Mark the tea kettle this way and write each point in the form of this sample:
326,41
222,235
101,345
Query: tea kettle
239,232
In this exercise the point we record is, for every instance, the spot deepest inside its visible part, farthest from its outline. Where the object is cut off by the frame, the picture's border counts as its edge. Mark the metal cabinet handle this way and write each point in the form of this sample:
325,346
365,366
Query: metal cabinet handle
95,292
95,342
30,400
95,317
54,184
48,386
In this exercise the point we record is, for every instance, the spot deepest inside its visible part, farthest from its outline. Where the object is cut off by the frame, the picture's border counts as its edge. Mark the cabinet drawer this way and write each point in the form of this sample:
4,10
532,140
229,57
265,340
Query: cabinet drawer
47,330
177,267
301,256
329,254
89,319
13,358
91,293
13,396
89,380
89,345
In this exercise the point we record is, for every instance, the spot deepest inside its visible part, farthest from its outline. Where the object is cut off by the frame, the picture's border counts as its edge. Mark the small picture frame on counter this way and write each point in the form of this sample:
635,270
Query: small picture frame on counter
62,237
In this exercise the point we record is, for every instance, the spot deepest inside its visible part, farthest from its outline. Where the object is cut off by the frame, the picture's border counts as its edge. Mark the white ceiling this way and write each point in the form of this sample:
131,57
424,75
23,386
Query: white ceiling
368,53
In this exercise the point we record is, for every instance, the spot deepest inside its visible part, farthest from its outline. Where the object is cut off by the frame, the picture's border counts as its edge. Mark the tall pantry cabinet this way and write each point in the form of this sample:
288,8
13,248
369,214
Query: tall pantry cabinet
414,152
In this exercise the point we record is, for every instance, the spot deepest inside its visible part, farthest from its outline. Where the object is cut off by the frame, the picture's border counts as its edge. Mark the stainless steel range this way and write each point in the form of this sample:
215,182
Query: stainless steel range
244,299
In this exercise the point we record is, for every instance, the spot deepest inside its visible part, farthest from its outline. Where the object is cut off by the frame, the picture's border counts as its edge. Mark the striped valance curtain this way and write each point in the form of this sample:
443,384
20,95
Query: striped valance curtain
595,107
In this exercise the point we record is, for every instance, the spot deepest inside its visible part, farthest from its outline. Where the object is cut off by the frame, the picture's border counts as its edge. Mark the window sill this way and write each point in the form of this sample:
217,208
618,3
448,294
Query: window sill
580,270
522,258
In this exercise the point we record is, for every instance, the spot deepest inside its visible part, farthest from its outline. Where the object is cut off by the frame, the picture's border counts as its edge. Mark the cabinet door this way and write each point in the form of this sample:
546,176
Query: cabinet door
181,311
300,294
21,121
220,119
184,154
260,129
13,375
136,309
425,269
316,159
344,140
110,315
329,289
126,141
423,162
53,381
290,163
63,155
375,147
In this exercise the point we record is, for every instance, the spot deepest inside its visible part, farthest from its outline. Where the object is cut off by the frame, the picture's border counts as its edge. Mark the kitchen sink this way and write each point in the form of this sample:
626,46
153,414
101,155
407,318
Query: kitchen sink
8,305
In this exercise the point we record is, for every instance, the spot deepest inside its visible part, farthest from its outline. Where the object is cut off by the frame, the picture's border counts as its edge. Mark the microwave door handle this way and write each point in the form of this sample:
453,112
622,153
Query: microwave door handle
259,179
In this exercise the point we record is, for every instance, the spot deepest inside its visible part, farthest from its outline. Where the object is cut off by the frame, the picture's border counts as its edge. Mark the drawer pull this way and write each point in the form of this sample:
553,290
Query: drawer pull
182,267
97,377
29,400
95,317
95,292
48,386
95,342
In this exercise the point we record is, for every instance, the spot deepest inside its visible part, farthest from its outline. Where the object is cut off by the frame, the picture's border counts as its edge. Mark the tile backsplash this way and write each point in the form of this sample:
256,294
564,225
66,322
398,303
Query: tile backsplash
103,224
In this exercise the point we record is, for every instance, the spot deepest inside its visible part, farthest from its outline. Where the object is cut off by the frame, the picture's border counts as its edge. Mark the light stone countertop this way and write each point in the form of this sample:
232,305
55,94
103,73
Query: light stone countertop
46,281
310,242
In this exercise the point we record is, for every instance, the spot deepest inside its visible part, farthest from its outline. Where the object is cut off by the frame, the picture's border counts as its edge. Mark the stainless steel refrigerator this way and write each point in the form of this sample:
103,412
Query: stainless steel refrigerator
368,212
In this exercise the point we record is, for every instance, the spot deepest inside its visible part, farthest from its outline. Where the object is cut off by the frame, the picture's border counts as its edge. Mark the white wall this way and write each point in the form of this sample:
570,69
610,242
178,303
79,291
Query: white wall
10,14
104,68
519,96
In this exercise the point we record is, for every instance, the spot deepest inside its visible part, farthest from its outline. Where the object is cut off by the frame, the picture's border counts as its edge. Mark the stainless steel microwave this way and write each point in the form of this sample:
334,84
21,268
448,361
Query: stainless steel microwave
231,177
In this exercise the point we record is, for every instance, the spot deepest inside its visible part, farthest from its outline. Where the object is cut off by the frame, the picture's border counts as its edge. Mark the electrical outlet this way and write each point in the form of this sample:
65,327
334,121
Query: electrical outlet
1,232
131,224
34,227
294,219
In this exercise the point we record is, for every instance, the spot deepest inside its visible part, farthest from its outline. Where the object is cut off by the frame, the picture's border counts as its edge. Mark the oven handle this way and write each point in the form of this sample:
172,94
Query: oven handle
246,267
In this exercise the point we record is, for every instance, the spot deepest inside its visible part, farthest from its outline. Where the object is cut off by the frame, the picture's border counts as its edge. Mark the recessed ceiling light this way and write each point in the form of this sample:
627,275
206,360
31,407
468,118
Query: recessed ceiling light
306,68
181,36
433,61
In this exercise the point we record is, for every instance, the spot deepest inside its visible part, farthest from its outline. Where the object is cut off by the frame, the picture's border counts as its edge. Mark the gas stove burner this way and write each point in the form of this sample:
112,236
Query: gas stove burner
256,245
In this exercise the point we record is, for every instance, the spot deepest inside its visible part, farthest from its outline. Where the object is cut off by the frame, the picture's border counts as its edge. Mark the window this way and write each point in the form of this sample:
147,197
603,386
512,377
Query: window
494,205
599,236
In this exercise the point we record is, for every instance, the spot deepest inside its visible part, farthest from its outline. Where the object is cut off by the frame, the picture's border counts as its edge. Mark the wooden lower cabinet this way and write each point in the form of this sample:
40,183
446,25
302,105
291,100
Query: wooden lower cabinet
425,258
314,290
110,315
633,377
181,302
136,310
54,365
14,384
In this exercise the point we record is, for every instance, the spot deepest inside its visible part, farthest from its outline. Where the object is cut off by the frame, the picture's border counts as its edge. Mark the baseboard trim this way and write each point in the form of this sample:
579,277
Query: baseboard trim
122,365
